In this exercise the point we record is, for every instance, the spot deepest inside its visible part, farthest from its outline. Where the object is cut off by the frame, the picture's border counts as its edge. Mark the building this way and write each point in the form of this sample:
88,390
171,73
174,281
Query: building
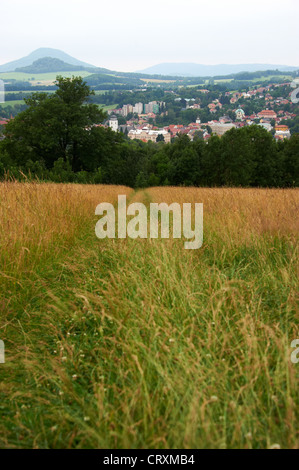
138,108
151,107
282,132
147,134
266,125
225,120
267,114
113,123
126,109
175,129
240,114
220,129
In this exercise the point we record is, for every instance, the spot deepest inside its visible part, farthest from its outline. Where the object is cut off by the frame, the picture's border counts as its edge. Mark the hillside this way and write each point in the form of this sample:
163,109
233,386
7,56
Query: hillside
49,64
40,54
200,70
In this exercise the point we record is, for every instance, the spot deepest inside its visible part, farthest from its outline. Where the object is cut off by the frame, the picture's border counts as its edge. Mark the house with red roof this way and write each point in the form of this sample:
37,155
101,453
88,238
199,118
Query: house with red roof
267,114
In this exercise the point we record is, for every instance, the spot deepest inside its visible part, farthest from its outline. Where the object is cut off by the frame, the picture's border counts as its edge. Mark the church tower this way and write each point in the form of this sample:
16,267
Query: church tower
113,123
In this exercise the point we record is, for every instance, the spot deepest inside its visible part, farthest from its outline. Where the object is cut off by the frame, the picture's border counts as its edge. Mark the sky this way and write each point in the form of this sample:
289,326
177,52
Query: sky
136,34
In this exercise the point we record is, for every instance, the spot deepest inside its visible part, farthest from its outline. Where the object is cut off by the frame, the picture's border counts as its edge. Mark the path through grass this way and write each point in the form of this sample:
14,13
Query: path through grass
141,343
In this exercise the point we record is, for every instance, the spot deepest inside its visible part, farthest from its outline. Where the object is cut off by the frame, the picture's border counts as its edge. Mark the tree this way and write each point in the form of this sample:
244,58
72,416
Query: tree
291,161
160,138
53,126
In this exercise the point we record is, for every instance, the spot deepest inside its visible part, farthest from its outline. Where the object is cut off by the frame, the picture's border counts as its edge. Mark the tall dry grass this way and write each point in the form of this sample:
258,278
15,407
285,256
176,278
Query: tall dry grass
141,343
240,215
39,219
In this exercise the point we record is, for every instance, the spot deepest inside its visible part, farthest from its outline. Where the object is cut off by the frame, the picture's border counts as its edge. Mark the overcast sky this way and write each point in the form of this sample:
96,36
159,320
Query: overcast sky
131,35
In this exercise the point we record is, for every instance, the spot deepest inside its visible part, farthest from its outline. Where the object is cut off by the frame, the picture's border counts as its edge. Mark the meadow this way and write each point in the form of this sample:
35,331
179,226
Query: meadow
141,343
11,103
38,78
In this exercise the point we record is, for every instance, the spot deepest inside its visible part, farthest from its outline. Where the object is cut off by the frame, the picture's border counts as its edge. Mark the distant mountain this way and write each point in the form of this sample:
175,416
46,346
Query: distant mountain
40,54
49,64
198,70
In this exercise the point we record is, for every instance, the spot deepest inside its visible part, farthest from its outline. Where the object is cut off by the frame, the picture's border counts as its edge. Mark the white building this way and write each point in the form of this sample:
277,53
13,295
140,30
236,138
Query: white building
147,134
138,108
220,129
266,125
113,123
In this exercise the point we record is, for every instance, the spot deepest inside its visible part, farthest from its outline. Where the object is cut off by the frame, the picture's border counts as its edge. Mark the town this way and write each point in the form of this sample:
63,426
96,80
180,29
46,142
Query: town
277,110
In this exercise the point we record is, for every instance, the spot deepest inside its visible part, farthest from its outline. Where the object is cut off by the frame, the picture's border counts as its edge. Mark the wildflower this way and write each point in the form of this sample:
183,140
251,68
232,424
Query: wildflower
214,398
74,377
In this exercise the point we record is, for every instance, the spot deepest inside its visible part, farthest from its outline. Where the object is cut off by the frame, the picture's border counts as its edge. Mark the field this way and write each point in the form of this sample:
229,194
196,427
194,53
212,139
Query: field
271,77
255,80
107,108
40,78
11,103
156,80
141,343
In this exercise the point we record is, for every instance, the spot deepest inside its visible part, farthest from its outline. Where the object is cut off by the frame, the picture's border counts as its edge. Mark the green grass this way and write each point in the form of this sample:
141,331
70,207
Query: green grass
11,103
254,80
271,77
26,92
220,80
142,344
40,76
106,108
14,102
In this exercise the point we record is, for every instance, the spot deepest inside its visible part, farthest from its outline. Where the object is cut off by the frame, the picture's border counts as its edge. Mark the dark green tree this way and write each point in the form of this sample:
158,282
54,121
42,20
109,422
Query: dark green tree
160,138
53,126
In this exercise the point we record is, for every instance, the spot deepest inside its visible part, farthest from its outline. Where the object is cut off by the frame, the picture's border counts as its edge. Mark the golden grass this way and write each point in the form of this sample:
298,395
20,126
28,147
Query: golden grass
40,218
240,215
141,343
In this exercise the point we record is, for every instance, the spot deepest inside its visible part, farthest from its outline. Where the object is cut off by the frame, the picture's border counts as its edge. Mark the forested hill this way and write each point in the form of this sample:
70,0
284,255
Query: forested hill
39,54
49,64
